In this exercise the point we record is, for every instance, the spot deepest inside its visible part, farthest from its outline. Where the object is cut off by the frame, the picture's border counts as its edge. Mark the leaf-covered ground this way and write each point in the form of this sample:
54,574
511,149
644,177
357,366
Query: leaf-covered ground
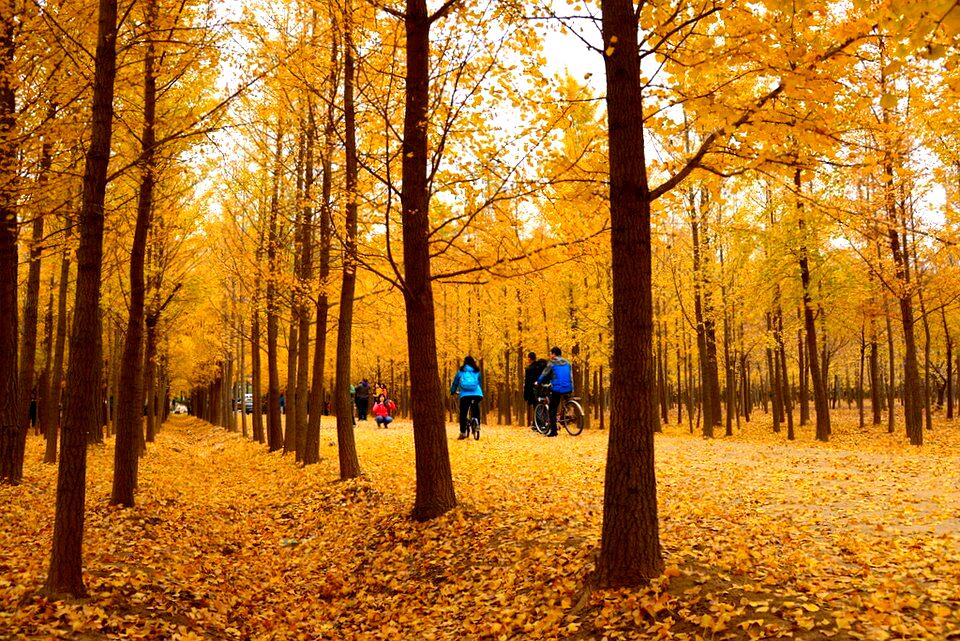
857,539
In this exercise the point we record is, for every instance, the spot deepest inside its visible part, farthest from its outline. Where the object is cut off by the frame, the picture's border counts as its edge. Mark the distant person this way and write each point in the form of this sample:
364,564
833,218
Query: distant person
468,384
283,403
535,367
362,399
383,409
559,376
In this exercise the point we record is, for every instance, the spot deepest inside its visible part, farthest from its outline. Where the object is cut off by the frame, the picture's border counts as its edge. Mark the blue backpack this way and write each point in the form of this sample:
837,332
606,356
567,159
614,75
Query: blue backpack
469,381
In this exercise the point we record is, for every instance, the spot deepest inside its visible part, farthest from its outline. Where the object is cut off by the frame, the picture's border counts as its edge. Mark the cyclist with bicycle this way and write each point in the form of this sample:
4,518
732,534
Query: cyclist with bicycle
559,375
467,382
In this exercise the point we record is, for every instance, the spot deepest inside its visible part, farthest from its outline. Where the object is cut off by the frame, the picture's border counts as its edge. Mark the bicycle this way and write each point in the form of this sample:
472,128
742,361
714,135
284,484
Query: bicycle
569,413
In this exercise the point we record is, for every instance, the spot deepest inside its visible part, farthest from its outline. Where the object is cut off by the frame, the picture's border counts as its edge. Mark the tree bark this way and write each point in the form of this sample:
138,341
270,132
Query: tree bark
821,403
630,544
65,574
55,397
131,389
10,422
274,429
312,452
434,493
346,446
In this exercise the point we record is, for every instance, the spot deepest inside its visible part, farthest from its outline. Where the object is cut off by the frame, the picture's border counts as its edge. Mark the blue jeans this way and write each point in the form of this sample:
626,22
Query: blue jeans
384,420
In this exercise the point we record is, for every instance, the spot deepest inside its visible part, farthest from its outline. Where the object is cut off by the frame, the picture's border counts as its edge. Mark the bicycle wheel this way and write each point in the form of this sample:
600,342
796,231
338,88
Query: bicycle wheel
541,418
573,418
475,427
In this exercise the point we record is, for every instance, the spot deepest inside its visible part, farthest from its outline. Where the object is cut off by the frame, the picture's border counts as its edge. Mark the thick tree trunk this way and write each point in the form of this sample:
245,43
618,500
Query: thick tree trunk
131,389
630,544
11,461
65,575
435,494
346,446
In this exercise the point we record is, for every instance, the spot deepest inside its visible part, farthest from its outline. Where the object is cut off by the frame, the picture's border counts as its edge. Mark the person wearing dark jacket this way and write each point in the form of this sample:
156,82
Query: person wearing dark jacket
534,369
559,374
362,399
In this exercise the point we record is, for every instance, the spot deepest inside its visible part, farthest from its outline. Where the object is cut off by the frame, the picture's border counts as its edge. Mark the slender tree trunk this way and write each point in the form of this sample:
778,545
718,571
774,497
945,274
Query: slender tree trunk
435,494
274,429
346,446
290,392
256,415
773,366
863,351
150,377
55,397
65,575
312,452
303,282
821,403
630,543
948,364
892,383
131,390
876,401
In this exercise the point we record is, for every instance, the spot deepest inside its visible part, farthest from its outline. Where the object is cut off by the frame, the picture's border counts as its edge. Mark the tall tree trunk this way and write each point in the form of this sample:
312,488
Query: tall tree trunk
786,394
150,376
948,364
773,366
274,429
630,544
65,575
863,351
55,397
892,383
290,392
876,401
10,424
346,446
821,403
131,390
303,283
435,494
707,390
312,452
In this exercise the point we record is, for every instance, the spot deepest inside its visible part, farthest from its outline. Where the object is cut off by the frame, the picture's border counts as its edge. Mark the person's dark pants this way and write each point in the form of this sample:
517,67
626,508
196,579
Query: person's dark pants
362,404
555,398
471,404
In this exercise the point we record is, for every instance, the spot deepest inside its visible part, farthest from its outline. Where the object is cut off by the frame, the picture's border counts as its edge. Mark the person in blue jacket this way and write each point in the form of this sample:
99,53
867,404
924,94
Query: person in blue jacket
467,382
559,375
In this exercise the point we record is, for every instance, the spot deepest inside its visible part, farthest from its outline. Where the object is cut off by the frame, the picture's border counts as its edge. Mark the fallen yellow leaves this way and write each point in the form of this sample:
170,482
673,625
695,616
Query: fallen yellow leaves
762,541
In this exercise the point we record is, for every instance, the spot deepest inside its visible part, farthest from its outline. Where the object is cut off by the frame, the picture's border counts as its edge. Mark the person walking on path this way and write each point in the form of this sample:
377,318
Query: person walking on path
362,399
559,376
468,384
382,410
535,367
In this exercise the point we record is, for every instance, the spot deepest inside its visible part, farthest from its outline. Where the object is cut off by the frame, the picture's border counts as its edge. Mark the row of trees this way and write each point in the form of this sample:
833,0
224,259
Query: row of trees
757,174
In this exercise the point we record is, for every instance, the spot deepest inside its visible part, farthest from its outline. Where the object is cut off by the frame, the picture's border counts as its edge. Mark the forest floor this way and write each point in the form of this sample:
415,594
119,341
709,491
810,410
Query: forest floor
763,539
